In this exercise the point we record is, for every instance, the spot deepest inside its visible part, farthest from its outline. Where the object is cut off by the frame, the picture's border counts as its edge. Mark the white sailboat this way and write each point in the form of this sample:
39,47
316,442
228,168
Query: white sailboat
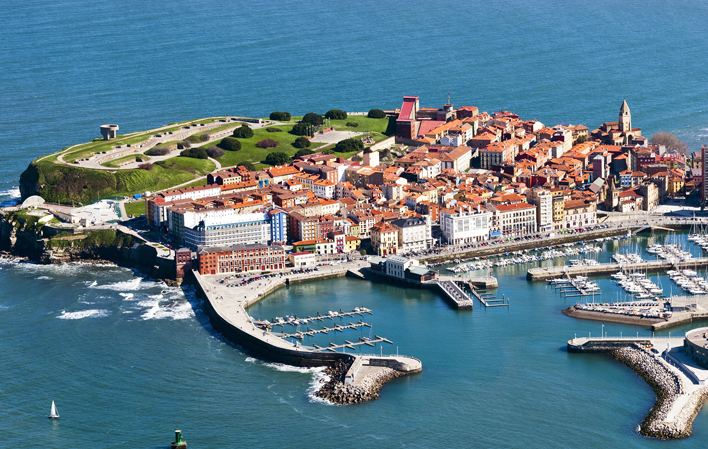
53,413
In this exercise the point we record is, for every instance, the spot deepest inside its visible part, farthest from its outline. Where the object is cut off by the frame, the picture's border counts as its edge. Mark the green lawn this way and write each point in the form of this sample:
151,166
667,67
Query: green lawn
137,208
251,153
198,167
366,124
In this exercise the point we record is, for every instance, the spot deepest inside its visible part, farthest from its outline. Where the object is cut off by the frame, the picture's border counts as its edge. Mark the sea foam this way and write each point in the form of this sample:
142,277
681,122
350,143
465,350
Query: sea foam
79,314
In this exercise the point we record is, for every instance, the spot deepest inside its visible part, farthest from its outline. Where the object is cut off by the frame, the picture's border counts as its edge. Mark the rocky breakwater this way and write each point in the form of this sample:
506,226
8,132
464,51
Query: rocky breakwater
336,390
672,415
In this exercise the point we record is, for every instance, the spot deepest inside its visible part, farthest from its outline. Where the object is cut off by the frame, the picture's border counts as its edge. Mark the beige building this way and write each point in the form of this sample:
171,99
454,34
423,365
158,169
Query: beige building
384,239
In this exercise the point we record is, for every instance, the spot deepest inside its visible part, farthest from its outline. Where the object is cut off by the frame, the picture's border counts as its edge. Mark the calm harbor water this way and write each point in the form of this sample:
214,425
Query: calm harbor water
127,359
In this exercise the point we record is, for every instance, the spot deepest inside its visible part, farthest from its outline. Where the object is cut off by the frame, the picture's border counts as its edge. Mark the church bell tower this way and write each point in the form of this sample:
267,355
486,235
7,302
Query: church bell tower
625,118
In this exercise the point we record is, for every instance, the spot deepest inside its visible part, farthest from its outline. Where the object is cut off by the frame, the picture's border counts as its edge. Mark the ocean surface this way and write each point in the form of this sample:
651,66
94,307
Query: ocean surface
127,360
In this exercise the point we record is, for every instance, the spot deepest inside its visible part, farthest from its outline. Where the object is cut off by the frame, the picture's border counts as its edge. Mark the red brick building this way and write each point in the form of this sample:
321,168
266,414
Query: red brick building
240,259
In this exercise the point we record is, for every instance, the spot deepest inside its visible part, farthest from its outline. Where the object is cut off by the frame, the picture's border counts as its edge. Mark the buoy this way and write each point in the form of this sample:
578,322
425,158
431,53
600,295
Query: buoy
178,443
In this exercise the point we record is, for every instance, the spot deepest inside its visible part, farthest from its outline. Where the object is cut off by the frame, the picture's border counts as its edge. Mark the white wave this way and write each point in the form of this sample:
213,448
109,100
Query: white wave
251,360
93,313
159,309
128,296
44,278
134,284
294,369
12,192
319,378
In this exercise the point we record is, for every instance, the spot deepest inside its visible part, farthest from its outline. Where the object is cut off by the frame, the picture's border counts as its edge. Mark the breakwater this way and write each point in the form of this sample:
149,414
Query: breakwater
672,415
678,398
227,314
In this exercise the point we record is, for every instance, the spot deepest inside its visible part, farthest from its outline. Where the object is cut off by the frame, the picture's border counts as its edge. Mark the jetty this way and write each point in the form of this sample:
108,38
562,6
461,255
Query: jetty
545,273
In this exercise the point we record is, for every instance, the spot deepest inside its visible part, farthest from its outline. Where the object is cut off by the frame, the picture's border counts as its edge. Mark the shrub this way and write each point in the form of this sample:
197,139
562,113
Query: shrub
352,124
368,150
158,151
230,144
183,145
376,113
336,114
215,152
277,158
313,119
301,129
349,145
247,165
302,152
205,137
274,130
244,132
147,166
267,143
280,116
195,153
302,142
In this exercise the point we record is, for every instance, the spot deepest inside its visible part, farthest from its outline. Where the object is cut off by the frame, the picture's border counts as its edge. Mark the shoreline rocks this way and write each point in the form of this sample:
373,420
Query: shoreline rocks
335,390
668,387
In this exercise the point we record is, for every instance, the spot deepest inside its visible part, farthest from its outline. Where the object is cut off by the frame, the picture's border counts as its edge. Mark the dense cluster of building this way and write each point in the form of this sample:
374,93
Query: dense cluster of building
532,179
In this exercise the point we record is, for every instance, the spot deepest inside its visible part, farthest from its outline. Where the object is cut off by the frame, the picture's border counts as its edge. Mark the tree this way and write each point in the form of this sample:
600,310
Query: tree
247,165
300,129
336,114
195,153
302,142
303,152
277,158
376,113
581,139
158,151
267,143
313,119
230,144
215,152
280,116
349,145
670,141
244,132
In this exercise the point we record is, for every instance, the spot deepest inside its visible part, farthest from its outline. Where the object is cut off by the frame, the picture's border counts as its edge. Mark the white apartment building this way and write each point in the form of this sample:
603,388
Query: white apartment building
543,199
323,188
465,226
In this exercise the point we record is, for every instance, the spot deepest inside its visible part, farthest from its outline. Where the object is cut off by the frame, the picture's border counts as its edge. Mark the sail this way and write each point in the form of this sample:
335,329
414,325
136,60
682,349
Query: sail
53,413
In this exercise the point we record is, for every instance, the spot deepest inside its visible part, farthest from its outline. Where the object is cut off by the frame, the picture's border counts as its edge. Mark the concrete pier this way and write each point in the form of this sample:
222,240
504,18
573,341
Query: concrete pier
459,299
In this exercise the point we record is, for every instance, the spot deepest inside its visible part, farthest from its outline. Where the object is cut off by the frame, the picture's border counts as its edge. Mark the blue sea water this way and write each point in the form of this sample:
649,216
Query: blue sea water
127,363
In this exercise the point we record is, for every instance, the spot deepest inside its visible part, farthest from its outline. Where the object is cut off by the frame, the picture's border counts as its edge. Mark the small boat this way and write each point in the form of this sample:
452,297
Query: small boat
53,414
